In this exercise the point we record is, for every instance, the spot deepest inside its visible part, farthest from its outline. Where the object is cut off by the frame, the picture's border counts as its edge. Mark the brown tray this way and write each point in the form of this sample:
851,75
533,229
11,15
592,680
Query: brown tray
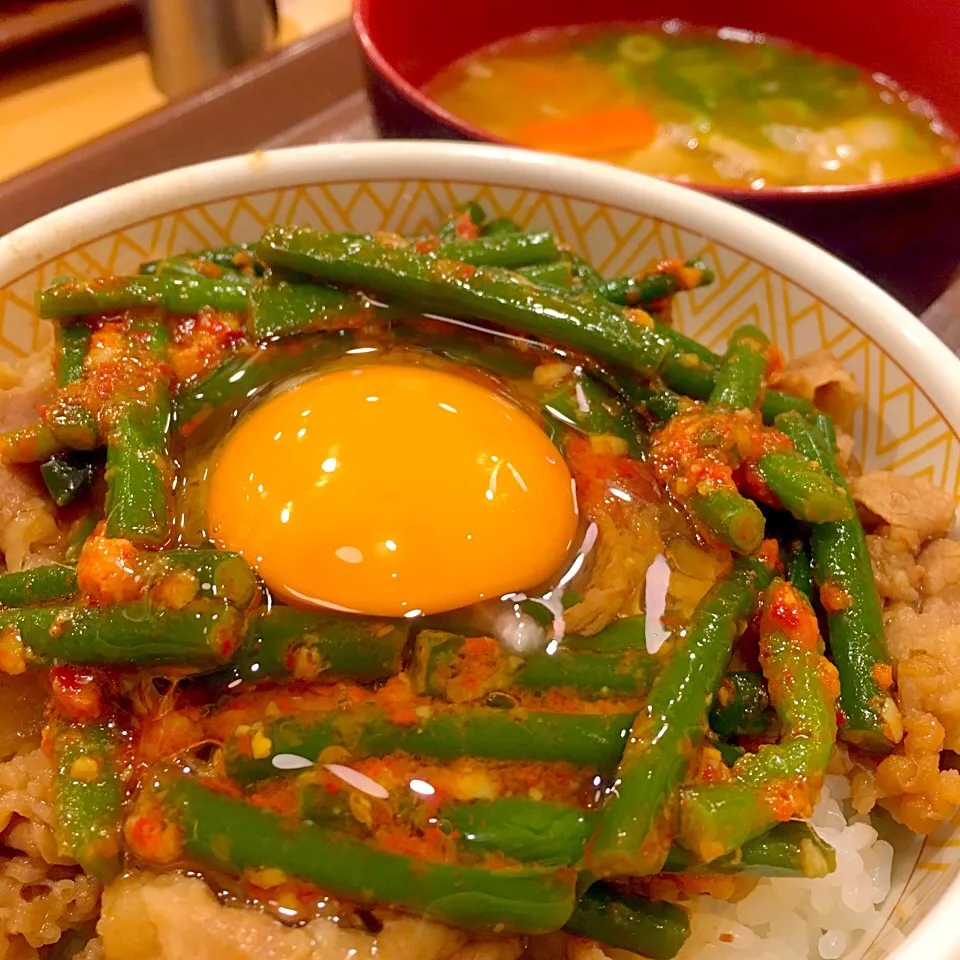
259,106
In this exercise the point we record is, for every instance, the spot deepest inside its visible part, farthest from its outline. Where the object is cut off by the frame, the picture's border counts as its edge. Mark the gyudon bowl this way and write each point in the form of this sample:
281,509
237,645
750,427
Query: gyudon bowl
181,832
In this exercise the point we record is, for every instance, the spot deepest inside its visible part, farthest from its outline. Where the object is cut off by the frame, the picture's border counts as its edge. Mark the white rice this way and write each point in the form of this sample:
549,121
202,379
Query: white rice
788,919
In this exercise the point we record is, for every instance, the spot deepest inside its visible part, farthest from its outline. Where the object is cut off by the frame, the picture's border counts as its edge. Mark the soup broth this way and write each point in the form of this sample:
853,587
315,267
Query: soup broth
727,108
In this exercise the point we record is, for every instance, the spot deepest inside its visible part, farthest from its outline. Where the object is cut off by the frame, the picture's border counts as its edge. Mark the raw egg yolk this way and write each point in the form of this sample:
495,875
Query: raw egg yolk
392,490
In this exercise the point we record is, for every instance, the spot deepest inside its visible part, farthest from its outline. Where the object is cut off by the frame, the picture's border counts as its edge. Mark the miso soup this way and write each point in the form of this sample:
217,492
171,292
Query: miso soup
728,108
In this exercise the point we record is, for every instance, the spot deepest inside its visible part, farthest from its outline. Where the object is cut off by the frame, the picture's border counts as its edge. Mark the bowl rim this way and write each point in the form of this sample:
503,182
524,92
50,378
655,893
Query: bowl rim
899,333
843,191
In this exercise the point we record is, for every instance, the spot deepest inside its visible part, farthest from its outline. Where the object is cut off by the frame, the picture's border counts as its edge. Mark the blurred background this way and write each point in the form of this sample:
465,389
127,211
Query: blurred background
71,70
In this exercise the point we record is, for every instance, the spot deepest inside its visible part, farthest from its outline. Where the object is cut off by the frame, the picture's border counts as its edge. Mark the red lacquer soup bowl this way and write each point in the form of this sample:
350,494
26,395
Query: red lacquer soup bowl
905,234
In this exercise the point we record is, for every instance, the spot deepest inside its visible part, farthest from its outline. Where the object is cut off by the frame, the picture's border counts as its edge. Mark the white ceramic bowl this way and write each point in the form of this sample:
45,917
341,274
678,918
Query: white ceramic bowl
620,221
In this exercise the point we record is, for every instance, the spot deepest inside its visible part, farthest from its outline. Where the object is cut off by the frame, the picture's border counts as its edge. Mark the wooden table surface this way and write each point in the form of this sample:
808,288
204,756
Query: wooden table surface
50,107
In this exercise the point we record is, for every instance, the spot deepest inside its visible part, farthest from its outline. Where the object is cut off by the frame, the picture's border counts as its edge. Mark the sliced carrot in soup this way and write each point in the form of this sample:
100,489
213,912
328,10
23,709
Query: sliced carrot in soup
591,134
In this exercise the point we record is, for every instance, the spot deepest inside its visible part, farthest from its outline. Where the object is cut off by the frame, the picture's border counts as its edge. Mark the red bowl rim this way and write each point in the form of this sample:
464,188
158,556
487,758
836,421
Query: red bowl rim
415,96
